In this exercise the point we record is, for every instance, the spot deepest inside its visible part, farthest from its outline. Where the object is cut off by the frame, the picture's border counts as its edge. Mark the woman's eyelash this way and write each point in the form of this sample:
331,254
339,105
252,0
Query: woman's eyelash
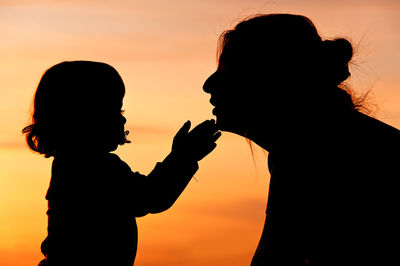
122,112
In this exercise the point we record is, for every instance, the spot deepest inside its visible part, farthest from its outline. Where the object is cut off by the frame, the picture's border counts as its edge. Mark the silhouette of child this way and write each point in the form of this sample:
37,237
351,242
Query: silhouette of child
94,196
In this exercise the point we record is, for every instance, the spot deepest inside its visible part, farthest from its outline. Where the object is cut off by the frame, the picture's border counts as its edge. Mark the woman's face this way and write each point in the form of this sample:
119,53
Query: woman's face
236,88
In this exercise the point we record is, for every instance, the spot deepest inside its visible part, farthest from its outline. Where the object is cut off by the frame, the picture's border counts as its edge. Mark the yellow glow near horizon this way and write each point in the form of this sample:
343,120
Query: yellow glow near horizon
164,50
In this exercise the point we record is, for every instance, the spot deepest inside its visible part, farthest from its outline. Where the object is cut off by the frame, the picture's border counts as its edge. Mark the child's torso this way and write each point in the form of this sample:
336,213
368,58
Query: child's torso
89,211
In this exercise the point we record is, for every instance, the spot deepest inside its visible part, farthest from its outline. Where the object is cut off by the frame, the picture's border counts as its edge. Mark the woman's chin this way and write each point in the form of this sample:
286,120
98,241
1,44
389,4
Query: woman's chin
230,125
219,122
224,125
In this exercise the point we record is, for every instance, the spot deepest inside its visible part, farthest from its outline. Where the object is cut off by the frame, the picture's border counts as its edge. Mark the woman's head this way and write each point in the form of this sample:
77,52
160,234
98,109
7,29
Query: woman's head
77,105
277,68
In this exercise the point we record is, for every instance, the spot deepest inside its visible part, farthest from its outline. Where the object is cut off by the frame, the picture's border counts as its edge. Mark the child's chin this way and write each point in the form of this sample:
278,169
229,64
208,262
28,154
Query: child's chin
112,147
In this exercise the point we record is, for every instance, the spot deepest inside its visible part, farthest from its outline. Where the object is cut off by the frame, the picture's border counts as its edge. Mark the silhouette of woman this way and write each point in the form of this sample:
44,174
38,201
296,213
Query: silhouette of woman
333,196
94,196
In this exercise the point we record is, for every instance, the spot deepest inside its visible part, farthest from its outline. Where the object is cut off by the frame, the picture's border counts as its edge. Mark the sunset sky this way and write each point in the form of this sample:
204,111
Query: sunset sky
164,51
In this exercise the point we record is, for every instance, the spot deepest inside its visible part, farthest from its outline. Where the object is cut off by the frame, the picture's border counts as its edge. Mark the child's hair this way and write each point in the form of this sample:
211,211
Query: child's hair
71,99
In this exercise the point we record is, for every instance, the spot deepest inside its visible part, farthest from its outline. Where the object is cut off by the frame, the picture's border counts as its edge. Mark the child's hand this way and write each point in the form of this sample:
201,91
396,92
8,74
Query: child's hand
197,143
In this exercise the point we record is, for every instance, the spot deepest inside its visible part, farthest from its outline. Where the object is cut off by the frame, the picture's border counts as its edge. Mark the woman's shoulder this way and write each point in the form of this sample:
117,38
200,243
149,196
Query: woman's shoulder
376,129
377,144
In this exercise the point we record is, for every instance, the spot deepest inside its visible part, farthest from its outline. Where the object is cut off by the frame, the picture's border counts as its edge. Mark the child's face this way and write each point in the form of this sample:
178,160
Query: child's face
78,104
112,122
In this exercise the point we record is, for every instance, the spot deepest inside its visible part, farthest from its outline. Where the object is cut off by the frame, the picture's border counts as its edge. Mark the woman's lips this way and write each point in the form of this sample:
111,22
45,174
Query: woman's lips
212,101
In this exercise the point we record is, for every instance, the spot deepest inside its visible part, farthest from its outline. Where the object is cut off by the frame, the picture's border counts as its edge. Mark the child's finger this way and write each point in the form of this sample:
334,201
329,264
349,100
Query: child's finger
210,148
184,129
205,151
204,127
216,136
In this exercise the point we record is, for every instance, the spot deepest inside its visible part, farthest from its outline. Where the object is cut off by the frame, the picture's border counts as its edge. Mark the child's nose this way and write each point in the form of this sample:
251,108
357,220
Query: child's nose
123,119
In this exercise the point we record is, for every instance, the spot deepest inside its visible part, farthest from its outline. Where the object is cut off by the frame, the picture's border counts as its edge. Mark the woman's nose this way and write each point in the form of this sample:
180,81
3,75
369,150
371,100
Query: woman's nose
209,84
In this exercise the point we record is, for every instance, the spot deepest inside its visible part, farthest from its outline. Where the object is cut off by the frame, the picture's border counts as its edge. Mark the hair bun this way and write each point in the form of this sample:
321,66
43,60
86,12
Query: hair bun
338,53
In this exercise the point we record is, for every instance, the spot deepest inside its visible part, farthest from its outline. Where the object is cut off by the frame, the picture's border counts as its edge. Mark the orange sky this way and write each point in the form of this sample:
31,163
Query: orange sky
164,50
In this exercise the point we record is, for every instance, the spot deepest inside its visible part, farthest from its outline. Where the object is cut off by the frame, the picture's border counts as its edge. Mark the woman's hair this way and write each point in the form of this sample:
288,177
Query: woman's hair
71,99
289,48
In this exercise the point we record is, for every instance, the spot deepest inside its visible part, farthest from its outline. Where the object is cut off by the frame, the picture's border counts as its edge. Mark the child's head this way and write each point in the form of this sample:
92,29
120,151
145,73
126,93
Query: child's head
77,107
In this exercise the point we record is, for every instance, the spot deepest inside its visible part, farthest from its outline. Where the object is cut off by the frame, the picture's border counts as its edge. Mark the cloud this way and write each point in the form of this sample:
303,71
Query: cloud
147,130
12,145
239,209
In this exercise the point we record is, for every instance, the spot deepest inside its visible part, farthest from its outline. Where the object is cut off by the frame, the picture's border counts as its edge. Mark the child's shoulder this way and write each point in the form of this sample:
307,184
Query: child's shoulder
112,157
115,161
90,162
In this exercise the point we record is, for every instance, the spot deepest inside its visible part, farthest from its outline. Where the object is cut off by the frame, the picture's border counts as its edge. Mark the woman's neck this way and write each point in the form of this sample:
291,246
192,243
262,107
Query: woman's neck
271,136
261,138
260,135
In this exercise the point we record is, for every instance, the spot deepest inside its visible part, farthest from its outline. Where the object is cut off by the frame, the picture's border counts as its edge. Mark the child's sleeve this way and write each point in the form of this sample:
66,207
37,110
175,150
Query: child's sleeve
157,191
167,181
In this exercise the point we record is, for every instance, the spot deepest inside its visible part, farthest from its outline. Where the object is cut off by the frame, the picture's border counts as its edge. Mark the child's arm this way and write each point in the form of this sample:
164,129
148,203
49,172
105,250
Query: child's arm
169,178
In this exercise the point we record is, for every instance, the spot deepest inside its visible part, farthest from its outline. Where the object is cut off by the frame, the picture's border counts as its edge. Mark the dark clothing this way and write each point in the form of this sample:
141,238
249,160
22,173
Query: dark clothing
333,197
93,201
